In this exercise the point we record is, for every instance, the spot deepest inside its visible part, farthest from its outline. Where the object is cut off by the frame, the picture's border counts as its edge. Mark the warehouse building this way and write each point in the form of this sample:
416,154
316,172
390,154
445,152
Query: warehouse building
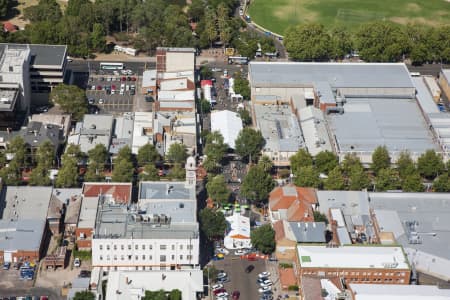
365,105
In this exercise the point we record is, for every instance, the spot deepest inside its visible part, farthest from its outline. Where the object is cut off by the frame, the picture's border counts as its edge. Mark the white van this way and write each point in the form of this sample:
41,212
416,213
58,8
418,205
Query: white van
122,89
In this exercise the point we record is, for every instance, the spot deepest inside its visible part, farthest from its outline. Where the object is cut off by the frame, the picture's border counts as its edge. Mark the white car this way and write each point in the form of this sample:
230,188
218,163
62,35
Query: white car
264,275
265,283
240,252
222,275
241,12
217,286
222,298
77,262
223,251
222,295
264,289
101,101
216,69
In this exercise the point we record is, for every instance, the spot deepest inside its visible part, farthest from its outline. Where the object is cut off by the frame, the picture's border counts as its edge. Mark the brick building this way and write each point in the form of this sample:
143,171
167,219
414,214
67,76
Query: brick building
355,264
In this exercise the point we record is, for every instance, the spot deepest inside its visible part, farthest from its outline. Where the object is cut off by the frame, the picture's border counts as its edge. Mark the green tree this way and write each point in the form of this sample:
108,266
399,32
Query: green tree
149,173
249,143
387,179
413,183
335,180
245,117
341,42
307,42
325,161
177,153
177,172
442,183
71,99
147,154
210,30
350,161
405,165
124,154
11,175
430,164
45,10
257,184
98,154
68,173
357,178
380,159
215,150
307,177
17,147
205,106
98,38
4,6
123,171
218,190
73,151
266,163
74,7
319,217
300,159
263,238
40,176
213,223
175,295
45,155
94,173
241,86
84,295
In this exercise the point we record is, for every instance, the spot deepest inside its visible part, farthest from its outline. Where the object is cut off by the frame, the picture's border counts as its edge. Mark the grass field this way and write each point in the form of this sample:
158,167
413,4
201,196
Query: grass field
277,15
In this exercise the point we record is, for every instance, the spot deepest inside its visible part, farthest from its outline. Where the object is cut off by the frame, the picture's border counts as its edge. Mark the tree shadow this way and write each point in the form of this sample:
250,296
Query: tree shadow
12,12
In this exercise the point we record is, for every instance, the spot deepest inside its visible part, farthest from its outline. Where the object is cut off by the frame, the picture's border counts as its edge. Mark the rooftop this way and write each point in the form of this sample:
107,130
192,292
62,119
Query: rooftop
279,127
313,124
123,133
418,221
154,190
88,212
60,120
116,192
398,292
228,123
308,232
8,98
26,203
131,285
424,96
142,130
93,130
23,234
42,55
347,257
149,78
37,133
337,75
370,122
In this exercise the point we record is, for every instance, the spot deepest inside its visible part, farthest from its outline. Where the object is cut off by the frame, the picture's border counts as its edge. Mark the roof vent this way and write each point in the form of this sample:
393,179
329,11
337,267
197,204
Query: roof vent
181,205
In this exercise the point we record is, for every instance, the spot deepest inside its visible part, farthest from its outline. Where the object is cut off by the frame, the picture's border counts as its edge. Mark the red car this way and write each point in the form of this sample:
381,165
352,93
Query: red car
218,291
123,79
235,295
99,87
133,78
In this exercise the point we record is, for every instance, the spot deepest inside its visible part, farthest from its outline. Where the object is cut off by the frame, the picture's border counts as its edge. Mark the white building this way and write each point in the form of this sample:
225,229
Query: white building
238,236
398,292
131,285
160,232
228,123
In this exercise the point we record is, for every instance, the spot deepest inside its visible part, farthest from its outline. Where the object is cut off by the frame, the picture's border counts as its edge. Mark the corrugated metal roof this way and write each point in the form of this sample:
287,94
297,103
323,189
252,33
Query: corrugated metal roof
308,232
424,97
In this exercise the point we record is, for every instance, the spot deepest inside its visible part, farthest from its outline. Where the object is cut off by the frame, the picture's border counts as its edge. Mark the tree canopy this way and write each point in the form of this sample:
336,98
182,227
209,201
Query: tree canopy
307,177
257,184
249,143
430,164
380,159
335,180
213,223
147,154
263,239
84,295
215,149
71,99
307,42
324,161
218,190
177,153
300,159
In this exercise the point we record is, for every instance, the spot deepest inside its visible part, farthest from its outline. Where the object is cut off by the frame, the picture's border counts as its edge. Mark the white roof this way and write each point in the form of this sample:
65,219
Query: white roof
352,257
173,84
131,285
398,292
176,95
88,212
228,123
142,122
239,225
149,78
312,122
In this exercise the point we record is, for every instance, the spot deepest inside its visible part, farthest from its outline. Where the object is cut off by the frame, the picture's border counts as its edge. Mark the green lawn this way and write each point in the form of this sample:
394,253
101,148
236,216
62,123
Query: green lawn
277,15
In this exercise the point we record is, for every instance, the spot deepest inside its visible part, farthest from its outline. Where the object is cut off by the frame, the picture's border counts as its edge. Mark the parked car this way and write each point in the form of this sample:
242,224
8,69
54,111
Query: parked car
91,100
217,286
99,87
84,274
222,275
264,289
216,69
240,252
264,275
218,256
77,261
219,291
265,283
249,268
6,265
222,295
101,101
133,78
17,265
223,251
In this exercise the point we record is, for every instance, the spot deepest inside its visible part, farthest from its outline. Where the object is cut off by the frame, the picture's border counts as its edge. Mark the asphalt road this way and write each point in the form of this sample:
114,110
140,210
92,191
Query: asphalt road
240,281
428,69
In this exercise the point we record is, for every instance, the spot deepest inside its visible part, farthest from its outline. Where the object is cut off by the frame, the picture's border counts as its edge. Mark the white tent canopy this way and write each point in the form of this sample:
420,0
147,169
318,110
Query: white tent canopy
228,123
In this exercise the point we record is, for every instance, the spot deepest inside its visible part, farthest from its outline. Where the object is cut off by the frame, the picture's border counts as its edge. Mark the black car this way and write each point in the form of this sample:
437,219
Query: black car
84,274
249,268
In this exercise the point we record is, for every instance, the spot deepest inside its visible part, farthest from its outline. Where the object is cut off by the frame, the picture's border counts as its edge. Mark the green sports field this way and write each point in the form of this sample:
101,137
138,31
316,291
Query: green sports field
277,15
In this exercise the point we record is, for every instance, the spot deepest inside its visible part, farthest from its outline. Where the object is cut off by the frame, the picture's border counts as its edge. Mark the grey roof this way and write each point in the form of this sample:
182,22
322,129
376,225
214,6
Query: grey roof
154,190
446,73
308,232
335,74
37,133
25,202
369,122
123,133
95,129
424,96
350,202
430,210
176,49
78,285
21,235
344,238
43,55
279,127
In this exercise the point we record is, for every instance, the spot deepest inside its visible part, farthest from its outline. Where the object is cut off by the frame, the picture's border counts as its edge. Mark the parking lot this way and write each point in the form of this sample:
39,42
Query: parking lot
239,280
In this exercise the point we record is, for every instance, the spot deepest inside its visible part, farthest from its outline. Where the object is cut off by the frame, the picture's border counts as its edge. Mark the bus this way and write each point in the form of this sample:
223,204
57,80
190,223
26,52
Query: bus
111,66
240,60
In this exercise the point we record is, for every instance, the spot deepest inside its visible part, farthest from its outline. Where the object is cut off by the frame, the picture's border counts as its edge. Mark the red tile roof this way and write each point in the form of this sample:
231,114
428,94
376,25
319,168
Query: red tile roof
119,191
279,230
9,27
298,203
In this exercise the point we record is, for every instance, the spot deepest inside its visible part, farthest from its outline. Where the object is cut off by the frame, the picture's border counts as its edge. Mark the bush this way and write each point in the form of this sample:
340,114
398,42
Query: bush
293,288
83,255
286,266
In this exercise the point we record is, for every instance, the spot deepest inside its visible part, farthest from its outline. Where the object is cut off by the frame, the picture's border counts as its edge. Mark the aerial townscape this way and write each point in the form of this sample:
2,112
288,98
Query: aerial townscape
224,150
